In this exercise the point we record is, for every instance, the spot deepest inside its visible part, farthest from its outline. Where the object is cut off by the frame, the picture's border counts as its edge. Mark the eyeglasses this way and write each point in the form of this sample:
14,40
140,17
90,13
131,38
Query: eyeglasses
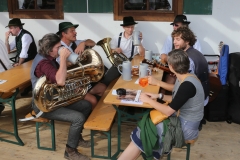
176,25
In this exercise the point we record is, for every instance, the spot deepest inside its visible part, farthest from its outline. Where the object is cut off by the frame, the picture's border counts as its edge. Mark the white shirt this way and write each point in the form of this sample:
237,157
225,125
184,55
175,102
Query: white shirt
125,45
4,57
167,46
26,41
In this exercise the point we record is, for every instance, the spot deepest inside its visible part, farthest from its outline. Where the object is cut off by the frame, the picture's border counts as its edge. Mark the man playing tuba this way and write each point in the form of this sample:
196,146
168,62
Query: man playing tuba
67,33
76,113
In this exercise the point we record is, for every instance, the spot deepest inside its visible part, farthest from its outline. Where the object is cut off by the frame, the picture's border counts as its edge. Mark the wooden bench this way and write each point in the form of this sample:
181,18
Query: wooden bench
101,119
39,122
188,145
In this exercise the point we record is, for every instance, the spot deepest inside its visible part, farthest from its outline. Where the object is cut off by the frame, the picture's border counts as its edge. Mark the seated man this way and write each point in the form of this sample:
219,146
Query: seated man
188,97
121,43
24,41
180,20
67,33
184,39
6,62
76,113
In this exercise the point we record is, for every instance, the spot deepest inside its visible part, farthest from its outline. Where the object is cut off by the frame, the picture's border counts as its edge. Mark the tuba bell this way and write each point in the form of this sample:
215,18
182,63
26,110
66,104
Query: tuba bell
115,58
89,68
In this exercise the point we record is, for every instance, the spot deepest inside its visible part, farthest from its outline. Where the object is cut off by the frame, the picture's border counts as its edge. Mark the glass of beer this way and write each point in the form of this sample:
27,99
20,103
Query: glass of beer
143,81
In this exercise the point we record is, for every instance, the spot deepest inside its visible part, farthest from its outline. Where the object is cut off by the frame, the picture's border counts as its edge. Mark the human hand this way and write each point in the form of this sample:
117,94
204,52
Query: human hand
15,64
64,53
118,50
80,48
163,58
146,97
7,34
152,81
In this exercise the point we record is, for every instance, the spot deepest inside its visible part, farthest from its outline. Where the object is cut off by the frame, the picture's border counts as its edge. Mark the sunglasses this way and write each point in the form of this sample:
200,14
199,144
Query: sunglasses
176,25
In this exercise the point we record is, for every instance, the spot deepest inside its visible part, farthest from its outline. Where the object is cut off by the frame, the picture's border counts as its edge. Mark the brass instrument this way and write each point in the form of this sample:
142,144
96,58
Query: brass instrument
115,58
89,68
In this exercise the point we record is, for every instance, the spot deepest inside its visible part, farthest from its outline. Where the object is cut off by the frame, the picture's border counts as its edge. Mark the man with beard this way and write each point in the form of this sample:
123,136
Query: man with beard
179,21
184,39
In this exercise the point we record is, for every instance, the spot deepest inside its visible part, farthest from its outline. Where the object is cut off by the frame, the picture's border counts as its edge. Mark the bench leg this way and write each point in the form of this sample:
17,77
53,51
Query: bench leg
108,134
11,102
187,153
52,127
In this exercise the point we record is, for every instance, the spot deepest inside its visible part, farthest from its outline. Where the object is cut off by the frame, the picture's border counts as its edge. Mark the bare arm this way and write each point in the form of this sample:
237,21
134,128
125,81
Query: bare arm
164,85
140,47
7,34
150,99
80,48
62,71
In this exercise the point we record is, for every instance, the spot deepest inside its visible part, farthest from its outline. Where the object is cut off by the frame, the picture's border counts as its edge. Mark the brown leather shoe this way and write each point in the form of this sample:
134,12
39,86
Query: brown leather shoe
84,144
73,154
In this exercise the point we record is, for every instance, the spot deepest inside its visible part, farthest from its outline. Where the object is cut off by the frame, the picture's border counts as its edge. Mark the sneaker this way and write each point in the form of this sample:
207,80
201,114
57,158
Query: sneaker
73,154
84,144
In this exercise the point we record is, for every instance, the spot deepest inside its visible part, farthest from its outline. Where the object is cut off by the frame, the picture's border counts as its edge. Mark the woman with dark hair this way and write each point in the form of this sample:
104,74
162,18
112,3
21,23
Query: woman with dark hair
188,97
76,113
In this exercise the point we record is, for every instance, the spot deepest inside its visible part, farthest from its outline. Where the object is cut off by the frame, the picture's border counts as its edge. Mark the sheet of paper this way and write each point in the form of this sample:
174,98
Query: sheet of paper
130,98
2,81
137,81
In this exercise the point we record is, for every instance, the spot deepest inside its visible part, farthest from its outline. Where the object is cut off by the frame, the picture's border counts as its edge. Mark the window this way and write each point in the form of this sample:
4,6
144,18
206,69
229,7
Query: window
148,10
36,9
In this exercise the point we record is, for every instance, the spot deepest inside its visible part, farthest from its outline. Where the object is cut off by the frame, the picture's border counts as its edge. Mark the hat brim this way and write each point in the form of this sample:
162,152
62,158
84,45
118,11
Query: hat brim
129,24
69,26
14,25
187,22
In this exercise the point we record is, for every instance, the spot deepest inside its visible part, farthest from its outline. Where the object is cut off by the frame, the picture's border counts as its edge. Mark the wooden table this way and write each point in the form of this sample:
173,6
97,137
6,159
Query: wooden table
111,99
17,78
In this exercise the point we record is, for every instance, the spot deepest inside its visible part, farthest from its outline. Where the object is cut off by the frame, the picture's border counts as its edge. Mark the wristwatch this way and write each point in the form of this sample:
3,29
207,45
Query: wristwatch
160,96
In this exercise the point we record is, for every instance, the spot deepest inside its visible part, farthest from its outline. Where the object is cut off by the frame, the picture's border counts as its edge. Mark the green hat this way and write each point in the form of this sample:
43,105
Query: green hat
64,25
15,22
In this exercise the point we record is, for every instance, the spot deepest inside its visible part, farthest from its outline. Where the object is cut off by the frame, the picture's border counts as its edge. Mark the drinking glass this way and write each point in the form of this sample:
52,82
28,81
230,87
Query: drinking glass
143,82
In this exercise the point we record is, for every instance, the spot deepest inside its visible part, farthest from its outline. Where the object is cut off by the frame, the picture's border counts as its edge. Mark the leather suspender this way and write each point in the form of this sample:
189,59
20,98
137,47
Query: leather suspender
119,41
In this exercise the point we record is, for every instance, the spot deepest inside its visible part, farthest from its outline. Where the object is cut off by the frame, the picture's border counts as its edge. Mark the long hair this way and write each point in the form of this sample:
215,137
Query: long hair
47,43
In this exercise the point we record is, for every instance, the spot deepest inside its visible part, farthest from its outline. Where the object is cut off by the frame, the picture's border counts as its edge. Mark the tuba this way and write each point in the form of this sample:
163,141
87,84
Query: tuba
115,58
89,68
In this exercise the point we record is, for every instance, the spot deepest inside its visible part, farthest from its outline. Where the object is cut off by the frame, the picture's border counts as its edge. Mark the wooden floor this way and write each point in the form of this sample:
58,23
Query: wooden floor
217,140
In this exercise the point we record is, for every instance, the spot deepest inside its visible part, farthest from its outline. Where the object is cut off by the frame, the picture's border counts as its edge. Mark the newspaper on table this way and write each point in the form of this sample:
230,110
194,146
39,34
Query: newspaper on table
131,97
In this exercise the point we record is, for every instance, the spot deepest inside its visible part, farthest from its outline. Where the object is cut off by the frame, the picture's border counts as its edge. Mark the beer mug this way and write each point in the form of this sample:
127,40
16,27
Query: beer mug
148,55
73,58
136,38
126,70
144,70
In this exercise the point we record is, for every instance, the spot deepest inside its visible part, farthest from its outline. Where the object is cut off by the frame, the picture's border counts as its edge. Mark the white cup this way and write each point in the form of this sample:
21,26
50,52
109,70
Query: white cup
126,70
144,70
73,57
148,55
136,38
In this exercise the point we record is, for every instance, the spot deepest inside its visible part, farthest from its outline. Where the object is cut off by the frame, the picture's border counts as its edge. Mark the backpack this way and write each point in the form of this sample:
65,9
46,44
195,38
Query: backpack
223,64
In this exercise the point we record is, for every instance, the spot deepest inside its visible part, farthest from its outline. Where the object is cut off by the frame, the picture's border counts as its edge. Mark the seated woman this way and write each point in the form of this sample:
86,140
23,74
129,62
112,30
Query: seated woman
188,97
